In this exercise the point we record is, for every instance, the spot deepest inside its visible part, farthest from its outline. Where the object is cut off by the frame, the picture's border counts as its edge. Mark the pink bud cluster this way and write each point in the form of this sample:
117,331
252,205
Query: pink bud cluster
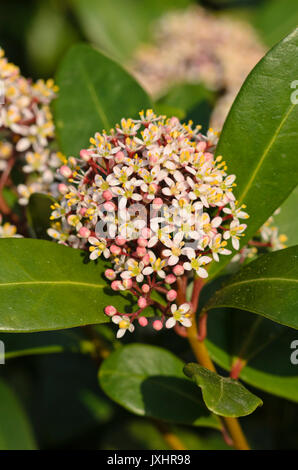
151,197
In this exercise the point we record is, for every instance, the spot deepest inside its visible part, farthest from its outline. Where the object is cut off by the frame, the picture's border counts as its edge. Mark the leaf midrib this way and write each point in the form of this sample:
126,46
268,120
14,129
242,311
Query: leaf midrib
95,99
65,283
265,153
261,279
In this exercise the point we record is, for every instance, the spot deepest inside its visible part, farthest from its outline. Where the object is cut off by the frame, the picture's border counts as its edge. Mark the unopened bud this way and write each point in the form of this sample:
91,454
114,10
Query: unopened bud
110,310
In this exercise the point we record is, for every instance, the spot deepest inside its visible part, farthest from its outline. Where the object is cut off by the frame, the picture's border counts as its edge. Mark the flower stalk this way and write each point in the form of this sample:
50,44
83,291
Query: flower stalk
196,341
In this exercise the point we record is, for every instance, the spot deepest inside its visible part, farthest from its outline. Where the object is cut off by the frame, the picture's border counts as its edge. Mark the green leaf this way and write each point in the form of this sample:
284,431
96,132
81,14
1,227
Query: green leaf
118,27
49,342
287,220
222,395
263,346
15,430
260,137
95,93
38,214
46,286
266,286
149,381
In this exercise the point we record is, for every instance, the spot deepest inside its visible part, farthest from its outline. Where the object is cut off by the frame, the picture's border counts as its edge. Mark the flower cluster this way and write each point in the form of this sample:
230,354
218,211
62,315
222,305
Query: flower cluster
151,197
26,130
195,46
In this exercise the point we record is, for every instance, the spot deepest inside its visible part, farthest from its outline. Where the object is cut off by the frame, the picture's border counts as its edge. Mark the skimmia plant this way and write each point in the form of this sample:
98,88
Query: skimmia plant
160,224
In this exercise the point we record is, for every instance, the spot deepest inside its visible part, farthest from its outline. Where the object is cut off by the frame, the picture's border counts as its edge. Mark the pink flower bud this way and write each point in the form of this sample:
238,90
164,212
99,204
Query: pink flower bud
178,270
170,279
107,195
141,251
116,285
174,121
109,206
157,325
62,188
157,203
142,241
110,310
146,259
65,171
84,232
84,154
127,283
201,146
83,211
171,295
142,302
143,321
110,274
120,241
145,288
115,250
119,157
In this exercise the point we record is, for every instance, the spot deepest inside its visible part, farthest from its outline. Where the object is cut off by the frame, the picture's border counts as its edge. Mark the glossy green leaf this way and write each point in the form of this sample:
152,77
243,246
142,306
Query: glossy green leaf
149,381
38,214
260,137
222,395
46,286
267,286
262,345
95,93
287,220
15,429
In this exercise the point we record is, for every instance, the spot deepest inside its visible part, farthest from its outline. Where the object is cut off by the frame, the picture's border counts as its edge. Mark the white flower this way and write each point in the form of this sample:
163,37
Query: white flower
157,265
218,247
124,324
235,211
98,247
179,314
175,248
235,232
134,269
196,264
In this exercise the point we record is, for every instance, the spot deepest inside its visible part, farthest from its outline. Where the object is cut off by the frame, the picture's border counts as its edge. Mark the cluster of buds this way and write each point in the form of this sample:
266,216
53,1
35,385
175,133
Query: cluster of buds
195,46
151,197
26,130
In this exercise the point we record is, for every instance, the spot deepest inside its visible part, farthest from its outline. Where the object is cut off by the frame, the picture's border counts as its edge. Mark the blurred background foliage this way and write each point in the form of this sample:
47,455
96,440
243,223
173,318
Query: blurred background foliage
36,33
52,401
